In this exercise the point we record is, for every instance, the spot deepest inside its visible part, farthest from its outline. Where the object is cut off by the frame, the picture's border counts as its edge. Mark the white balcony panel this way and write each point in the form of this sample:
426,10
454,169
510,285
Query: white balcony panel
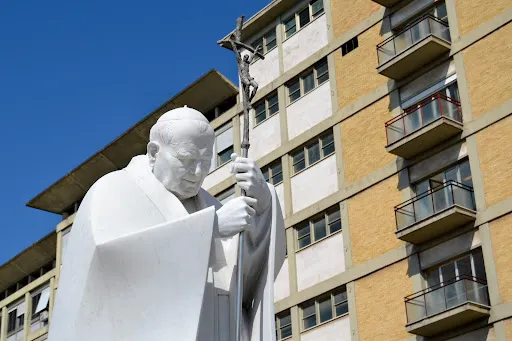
320,261
337,330
265,70
217,176
309,110
314,183
282,283
280,194
265,137
305,42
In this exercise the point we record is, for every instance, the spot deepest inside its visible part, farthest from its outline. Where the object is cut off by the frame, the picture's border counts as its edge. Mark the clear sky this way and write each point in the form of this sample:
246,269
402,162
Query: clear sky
76,74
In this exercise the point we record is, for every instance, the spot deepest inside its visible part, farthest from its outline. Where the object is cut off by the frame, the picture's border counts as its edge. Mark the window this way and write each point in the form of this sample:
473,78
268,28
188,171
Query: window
471,265
15,320
273,173
220,109
223,147
318,227
225,196
266,107
324,308
309,80
40,302
312,152
267,42
303,17
283,325
349,46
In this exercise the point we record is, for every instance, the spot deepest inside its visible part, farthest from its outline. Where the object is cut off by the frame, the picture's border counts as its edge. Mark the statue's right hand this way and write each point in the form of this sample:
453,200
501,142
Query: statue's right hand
236,215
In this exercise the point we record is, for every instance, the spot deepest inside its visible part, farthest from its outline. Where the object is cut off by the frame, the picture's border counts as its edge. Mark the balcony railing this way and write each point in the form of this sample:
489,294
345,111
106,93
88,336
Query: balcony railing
444,296
412,34
433,201
422,114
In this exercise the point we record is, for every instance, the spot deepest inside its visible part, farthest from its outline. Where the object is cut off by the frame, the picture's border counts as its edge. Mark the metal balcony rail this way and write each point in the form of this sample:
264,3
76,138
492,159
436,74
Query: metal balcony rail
444,296
436,199
418,30
421,114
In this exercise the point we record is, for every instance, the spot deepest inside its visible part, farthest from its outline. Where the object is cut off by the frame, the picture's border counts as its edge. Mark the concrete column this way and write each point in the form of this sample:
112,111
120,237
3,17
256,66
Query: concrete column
287,186
352,311
52,297
340,171
328,14
345,230
295,316
58,257
331,65
28,316
452,19
283,118
279,42
490,266
3,329
292,263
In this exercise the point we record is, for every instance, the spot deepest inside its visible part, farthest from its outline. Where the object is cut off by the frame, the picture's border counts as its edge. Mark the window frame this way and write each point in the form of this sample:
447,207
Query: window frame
263,41
19,321
295,16
304,148
279,327
316,301
311,223
314,71
349,46
218,132
266,112
268,169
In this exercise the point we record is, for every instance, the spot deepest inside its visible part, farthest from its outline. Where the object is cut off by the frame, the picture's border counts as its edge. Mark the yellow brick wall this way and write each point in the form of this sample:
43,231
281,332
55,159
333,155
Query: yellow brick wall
363,138
496,160
472,13
372,221
508,328
501,239
356,73
346,14
488,65
380,304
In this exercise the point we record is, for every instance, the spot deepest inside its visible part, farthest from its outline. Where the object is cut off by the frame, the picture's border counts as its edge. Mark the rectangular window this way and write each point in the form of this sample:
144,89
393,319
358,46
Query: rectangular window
223,147
303,17
314,151
349,46
324,308
283,325
16,318
318,227
270,40
308,81
273,173
265,108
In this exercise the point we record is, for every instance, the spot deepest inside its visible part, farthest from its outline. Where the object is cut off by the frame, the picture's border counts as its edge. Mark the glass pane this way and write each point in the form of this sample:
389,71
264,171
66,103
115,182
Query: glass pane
294,90
325,309
270,41
290,26
286,331
225,155
435,301
415,309
455,294
452,91
277,173
476,292
303,235
340,297
299,163
304,17
273,105
260,112
284,320
313,153
412,121
320,229
266,174
322,73
442,197
402,42
423,207
309,82
433,278
450,109
448,272
341,308
464,267
441,11
309,315
277,178
465,174
334,221
420,30
323,78
386,51
317,7
478,262
430,111
405,215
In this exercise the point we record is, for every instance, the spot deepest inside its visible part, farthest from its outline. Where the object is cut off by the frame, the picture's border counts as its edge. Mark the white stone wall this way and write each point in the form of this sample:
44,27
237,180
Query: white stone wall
280,195
309,110
282,283
314,183
320,261
265,70
265,137
305,42
337,330
218,175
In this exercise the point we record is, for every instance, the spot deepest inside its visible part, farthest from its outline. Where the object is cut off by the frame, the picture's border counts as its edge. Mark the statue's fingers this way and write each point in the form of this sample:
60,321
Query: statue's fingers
239,167
243,176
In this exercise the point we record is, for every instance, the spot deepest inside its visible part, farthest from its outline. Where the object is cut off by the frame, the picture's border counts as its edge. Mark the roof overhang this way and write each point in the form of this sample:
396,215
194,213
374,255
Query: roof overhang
30,260
204,94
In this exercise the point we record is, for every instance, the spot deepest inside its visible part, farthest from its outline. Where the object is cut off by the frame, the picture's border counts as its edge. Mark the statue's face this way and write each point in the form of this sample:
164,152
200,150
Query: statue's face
182,167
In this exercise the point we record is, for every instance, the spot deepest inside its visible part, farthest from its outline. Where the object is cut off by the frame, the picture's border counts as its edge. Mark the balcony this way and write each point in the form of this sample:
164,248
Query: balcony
441,209
423,126
446,306
387,3
413,47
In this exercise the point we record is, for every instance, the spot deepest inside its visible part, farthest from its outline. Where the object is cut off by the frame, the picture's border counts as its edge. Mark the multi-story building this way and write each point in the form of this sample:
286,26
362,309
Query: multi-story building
384,126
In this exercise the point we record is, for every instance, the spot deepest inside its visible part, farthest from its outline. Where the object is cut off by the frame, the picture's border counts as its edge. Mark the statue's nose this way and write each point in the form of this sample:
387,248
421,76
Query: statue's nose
197,169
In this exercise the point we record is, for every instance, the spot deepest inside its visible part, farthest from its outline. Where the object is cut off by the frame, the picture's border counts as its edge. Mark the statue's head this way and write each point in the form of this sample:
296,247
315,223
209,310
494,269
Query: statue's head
180,150
246,57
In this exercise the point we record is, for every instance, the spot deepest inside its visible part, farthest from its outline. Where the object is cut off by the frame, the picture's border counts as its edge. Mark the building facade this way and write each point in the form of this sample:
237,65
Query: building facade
385,127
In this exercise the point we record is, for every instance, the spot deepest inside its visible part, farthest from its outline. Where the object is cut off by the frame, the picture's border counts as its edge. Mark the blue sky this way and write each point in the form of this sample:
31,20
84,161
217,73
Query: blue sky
76,74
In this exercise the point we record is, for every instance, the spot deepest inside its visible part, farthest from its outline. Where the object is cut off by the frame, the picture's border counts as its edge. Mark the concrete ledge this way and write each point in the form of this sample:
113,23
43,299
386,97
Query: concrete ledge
414,57
425,138
436,225
448,319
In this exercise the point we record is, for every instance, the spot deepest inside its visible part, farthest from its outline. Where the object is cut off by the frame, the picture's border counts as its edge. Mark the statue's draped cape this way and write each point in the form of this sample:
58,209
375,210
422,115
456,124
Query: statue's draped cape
138,266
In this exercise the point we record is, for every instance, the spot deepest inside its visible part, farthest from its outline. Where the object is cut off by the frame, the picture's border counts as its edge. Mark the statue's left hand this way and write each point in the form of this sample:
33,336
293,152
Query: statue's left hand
249,177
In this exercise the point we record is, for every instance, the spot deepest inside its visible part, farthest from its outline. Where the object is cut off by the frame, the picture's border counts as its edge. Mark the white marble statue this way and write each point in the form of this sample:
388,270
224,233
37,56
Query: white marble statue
152,256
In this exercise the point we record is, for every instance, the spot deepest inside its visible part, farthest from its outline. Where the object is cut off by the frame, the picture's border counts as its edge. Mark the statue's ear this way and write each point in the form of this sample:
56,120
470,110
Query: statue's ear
153,148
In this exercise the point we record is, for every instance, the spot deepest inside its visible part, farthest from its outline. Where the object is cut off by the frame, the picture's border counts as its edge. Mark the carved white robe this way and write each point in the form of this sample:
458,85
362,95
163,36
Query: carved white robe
139,267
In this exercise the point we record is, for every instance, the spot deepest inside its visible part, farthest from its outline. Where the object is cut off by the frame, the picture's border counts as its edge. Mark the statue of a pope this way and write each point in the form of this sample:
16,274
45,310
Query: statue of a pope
152,256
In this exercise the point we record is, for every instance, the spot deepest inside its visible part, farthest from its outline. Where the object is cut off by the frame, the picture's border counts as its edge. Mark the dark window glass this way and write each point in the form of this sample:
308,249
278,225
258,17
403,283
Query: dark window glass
317,8
309,82
260,112
309,315
320,229
313,153
325,309
273,105
322,73
327,145
277,173
303,234
290,26
294,90
225,155
349,46
299,163
334,219
304,17
340,303
270,40
11,321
